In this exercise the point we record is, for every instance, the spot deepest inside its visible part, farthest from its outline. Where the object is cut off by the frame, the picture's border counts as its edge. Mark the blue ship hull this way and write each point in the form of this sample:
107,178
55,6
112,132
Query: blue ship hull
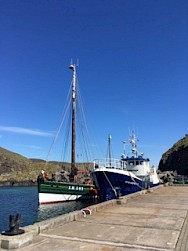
111,185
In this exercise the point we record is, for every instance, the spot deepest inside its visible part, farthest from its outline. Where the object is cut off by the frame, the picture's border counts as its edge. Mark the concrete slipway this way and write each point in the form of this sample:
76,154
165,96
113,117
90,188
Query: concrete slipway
154,220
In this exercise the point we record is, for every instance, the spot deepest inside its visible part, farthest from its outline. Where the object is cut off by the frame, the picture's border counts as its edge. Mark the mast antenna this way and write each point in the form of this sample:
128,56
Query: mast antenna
77,62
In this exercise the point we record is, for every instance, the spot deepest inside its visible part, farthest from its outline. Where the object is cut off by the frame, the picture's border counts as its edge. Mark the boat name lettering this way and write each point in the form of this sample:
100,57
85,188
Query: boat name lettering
76,188
132,183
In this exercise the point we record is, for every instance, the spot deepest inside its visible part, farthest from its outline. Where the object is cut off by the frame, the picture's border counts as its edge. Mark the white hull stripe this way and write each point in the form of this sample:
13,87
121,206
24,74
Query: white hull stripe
45,198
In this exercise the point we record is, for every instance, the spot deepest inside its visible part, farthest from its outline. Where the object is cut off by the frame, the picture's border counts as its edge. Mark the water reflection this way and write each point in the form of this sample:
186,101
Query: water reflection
24,200
52,210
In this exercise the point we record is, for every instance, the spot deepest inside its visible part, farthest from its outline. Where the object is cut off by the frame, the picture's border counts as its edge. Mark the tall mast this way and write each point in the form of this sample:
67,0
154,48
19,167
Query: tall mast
73,151
110,149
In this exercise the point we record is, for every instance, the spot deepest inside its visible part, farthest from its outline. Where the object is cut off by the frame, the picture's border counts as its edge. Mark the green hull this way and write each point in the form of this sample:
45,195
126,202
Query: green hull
64,188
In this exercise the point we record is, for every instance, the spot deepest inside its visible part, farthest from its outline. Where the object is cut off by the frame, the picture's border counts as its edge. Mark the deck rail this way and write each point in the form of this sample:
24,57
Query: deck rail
109,163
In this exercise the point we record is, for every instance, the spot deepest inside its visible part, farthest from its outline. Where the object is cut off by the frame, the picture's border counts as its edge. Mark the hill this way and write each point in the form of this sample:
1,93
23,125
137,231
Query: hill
17,168
12,165
176,158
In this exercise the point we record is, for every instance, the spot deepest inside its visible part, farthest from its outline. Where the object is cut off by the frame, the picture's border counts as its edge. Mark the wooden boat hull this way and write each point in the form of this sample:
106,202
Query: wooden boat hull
54,192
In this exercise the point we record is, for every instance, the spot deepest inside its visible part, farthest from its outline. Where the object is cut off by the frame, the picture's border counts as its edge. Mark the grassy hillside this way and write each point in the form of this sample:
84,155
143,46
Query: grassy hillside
16,167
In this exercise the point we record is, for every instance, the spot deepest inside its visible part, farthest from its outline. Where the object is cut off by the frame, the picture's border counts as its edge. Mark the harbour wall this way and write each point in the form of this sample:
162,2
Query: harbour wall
154,219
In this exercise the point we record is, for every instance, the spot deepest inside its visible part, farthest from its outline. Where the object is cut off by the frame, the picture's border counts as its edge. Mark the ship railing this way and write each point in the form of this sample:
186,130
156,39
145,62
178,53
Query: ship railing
109,163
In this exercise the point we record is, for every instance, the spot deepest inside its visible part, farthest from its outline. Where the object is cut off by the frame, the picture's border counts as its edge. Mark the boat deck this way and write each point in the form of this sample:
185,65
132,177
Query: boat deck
154,220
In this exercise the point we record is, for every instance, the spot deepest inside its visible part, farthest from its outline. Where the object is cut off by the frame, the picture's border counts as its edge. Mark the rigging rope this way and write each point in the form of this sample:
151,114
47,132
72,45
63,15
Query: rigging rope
67,105
82,133
113,189
83,125
132,178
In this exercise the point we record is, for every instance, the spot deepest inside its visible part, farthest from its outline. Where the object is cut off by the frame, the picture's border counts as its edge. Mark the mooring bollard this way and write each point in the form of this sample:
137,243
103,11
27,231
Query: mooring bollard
14,222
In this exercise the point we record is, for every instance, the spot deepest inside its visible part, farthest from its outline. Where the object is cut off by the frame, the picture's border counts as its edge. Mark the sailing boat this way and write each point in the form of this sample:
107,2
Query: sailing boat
119,177
53,191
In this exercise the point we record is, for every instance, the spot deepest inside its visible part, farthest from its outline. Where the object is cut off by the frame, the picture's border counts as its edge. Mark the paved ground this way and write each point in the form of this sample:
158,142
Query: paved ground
156,221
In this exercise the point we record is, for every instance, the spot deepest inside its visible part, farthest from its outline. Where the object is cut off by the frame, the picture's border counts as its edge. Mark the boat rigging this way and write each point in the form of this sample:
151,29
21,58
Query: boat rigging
55,189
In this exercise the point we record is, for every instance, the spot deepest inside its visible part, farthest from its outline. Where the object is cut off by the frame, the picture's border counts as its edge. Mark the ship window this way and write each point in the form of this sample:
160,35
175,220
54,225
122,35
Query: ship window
141,162
137,162
131,163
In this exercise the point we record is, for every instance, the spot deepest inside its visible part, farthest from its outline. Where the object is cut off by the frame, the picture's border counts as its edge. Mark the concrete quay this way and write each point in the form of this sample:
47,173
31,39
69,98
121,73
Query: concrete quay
153,220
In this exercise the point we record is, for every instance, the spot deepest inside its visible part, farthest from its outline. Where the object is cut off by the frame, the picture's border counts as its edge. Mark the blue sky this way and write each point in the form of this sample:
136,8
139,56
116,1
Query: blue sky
133,72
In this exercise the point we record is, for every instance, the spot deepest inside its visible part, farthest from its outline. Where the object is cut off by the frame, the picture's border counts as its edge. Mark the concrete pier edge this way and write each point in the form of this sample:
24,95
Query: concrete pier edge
18,241
182,243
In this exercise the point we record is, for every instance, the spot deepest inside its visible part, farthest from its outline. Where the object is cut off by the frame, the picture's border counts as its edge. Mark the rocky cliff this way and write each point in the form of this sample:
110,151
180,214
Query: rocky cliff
176,158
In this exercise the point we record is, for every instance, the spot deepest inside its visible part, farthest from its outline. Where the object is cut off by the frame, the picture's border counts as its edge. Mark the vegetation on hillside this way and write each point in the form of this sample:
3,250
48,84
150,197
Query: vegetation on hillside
15,167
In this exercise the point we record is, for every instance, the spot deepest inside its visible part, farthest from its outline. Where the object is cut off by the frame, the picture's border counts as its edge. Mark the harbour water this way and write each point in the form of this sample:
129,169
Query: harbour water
24,200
